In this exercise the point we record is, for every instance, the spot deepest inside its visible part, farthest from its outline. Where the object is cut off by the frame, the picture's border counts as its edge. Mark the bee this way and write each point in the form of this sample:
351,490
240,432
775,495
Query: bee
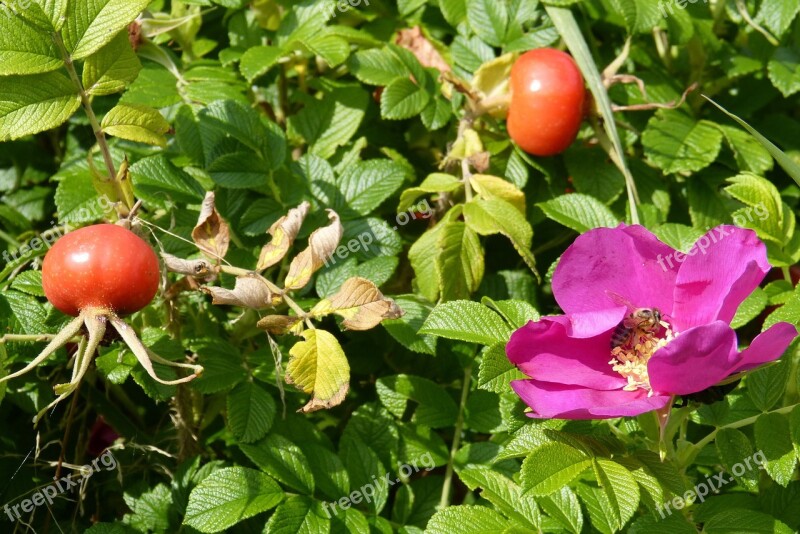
644,320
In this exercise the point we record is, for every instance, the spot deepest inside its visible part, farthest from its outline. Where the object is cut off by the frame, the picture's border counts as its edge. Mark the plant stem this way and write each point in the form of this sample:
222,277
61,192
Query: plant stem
787,275
448,476
22,338
95,124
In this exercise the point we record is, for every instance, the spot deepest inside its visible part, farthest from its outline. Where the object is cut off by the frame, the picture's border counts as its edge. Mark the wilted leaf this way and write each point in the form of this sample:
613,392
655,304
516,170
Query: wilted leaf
281,324
318,366
283,233
250,291
361,304
412,39
196,268
321,245
211,233
491,84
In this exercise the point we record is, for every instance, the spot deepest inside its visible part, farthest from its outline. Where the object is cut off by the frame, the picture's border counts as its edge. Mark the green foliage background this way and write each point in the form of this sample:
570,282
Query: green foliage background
270,103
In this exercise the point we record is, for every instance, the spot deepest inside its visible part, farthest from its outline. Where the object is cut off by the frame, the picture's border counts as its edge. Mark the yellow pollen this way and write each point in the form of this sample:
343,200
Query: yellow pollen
630,359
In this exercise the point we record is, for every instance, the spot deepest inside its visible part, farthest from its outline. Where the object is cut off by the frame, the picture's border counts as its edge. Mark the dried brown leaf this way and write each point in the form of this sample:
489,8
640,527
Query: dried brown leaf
283,233
413,39
360,303
250,291
321,245
281,324
211,234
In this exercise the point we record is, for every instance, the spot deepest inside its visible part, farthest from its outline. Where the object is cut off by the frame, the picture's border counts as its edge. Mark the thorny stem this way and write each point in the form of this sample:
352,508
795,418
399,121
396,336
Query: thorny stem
96,128
448,476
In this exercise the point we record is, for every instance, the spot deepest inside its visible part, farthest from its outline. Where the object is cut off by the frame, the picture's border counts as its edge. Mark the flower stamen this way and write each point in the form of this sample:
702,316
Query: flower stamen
630,359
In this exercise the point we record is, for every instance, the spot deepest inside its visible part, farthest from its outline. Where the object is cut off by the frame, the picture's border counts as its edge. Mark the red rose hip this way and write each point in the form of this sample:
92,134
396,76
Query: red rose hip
102,266
547,101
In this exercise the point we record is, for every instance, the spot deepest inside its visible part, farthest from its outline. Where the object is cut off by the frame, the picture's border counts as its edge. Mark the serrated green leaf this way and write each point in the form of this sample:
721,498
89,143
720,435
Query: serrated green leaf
298,515
330,123
496,371
466,321
459,261
676,143
765,386
367,184
157,180
435,409
784,71
258,60
434,183
551,467
283,460
25,49
741,520
91,24
32,104
493,216
403,99
774,440
377,66
365,468
563,506
112,68
750,308
579,212
228,496
136,123
481,520
489,20
251,411
733,448
405,329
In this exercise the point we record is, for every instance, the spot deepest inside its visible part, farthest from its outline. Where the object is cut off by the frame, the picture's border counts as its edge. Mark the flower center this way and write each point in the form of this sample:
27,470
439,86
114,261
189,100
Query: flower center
630,358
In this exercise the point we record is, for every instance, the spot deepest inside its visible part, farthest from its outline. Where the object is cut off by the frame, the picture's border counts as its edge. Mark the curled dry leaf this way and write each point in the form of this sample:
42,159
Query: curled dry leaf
283,233
318,366
281,324
211,234
194,268
360,303
321,245
412,39
250,291
491,83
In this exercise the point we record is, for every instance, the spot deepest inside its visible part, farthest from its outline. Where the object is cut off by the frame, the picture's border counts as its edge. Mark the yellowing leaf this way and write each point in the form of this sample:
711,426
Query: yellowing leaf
211,233
250,291
318,366
137,123
361,304
493,187
283,233
491,82
321,245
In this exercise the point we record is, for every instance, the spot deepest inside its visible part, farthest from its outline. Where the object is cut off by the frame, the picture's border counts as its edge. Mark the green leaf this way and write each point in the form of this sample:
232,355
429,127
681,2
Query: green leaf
733,448
228,496
318,366
251,412
367,184
377,66
551,467
29,282
619,491
791,167
750,154
478,519
579,212
258,60
403,99
365,469
333,49
496,216
459,262
750,521
111,69
157,180
434,183
298,515
778,15
240,170
454,11
76,198
49,15
330,123
750,308
755,191
593,173
489,20
136,123
91,24
496,371
466,321
405,329
327,469
25,49
283,460
563,506
766,386
33,104
504,493
676,143
784,71
435,409
774,440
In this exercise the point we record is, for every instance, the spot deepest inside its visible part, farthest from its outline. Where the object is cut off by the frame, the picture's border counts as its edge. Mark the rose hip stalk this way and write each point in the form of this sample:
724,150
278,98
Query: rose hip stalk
97,274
